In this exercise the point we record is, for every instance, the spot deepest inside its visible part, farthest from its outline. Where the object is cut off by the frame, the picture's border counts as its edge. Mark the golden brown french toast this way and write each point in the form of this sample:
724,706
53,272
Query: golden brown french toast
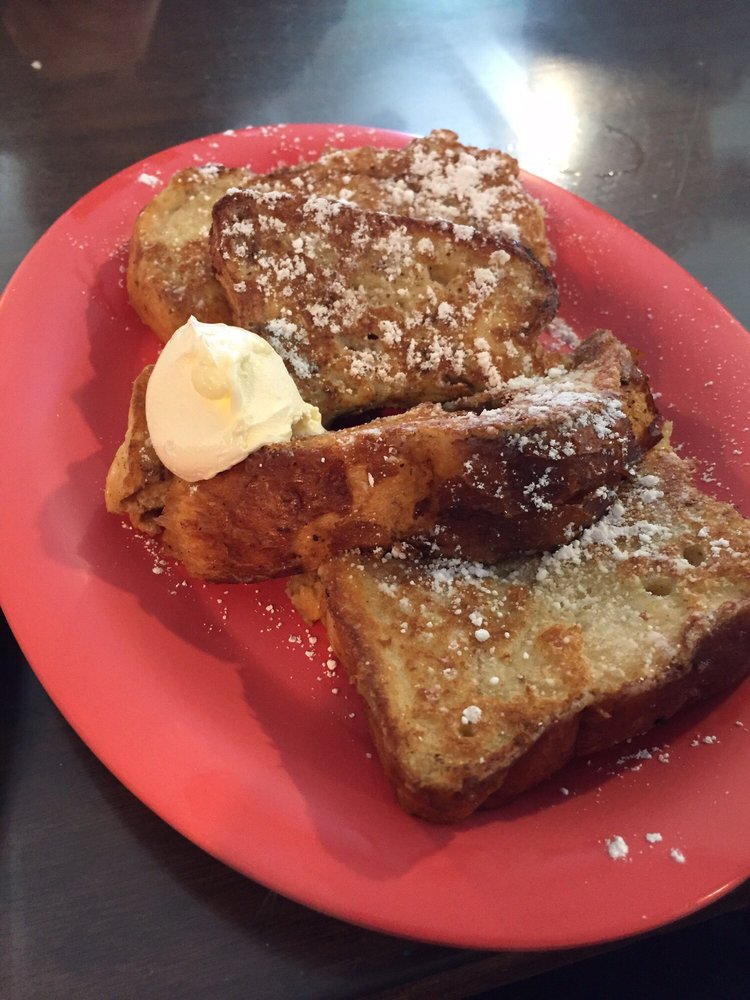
524,470
169,274
136,480
169,270
433,177
480,682
371,310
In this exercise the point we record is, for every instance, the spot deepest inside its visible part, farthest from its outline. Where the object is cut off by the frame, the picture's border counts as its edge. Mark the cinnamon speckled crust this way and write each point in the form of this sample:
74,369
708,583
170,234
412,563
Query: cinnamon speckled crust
525,474
136,480
371,310
587,646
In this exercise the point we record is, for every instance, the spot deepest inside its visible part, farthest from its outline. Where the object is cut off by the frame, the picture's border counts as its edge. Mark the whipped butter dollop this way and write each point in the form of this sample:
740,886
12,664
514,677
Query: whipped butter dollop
218,393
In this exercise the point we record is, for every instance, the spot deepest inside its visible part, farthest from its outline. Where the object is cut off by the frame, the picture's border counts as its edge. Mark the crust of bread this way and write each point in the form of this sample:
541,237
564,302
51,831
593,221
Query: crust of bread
648,612
136,481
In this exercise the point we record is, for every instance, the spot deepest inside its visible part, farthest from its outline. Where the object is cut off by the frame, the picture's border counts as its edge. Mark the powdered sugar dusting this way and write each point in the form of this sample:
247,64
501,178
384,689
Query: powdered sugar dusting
384,293
617,848
150,180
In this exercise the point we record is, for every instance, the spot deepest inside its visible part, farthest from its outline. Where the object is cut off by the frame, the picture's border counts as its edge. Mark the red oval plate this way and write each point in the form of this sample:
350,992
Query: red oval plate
214,705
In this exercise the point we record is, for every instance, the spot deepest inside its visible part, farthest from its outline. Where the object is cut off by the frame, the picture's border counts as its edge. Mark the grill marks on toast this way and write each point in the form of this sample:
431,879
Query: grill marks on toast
481,681
372,310
526,470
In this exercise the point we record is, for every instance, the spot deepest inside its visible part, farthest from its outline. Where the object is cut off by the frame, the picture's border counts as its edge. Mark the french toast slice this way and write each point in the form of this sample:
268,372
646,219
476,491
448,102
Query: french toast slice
169,272
433,177
169,275
372,310
523,470
479,682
